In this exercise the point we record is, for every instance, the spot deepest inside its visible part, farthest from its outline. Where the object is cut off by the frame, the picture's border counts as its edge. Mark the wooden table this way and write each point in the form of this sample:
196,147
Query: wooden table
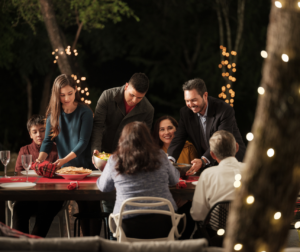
86,192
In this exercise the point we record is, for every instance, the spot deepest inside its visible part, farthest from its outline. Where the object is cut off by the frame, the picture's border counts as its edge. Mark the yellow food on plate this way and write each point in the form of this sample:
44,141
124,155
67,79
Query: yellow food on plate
73,170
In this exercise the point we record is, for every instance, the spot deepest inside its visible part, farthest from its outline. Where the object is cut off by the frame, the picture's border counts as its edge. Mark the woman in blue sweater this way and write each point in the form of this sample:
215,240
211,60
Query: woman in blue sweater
140,168
69,125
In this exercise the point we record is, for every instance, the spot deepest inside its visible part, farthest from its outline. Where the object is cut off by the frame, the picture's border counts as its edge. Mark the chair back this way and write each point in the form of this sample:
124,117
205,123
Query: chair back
146,205
214,225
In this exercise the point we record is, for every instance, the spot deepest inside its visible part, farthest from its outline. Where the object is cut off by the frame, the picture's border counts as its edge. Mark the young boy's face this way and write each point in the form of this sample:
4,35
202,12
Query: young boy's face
37,133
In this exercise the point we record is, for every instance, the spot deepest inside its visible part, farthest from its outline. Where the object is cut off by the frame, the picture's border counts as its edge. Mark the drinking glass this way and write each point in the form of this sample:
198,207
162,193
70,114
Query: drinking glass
26,163
5,157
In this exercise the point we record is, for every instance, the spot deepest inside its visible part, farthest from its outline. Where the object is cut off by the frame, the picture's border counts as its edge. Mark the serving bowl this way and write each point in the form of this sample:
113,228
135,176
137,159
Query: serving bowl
182,168
74,176
99,163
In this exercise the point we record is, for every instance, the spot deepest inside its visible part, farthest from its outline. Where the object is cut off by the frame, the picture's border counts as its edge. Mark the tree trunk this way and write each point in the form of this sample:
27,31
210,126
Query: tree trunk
29,95
46,90
273,181
54,36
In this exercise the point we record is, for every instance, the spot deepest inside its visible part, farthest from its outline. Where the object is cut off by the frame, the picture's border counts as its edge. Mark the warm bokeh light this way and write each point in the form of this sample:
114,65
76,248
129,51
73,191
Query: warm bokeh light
278,4
233,79
228,85
220,65
54,61
250,199
299,4
270,152
226,62
82,99
237,183
223,74
297,224
233,64
230,90
227,74
227,101
56,57
227,54
277,216
238,177
238,247
285,58
86,89
230,77
261,90
78,88
221,47
78,81
231,101
249,136
229,66
224,96
223,88
83,78
56,50
264,54
221,232
234,70
87,93
231,105
223,53
82,91
53,53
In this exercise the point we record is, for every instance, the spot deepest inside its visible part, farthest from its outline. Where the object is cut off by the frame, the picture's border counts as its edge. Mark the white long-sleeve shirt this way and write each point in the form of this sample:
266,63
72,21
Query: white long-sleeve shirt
215,184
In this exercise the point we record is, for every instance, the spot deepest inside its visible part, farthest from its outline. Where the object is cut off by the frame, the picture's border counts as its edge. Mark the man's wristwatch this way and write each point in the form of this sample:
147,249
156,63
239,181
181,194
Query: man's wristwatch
203,163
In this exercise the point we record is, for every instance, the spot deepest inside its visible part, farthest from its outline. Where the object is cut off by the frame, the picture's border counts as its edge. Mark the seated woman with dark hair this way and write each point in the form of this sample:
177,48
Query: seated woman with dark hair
139,168
163,133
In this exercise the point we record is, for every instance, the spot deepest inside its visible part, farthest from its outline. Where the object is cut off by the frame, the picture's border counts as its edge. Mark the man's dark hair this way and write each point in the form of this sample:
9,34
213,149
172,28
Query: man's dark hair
197,84
140,82
35,120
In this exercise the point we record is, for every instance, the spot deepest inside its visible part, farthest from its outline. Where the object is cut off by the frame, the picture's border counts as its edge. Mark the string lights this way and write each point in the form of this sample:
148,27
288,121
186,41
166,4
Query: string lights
250,199
250,136
277,216
285,57
221,232
261,90
238,247
58,52
228,68
278,4
270,152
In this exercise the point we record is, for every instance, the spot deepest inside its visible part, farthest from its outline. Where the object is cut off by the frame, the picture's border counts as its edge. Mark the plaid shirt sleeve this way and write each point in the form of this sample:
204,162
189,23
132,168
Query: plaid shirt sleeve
45,169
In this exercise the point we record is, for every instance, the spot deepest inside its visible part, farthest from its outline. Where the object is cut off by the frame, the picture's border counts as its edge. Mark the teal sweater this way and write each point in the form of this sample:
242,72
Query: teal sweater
74,136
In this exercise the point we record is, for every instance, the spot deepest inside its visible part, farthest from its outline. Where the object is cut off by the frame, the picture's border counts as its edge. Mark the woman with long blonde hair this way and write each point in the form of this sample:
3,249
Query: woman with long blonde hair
69,124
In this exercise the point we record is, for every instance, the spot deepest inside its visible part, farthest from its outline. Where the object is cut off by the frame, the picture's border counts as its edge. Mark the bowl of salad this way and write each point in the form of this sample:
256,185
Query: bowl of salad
100,160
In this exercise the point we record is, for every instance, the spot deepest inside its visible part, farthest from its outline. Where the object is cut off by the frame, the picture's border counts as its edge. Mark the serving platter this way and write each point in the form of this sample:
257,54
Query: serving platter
30,173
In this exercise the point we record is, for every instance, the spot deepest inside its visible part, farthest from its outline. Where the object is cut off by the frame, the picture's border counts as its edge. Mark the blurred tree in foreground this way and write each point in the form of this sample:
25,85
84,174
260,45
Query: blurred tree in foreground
272,159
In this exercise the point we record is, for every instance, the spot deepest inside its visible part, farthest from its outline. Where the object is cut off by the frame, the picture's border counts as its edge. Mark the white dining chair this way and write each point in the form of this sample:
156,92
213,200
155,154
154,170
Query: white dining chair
61,213
156,202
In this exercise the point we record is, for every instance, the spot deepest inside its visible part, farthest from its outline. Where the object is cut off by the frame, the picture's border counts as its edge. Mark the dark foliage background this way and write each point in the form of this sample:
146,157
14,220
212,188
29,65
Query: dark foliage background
159,45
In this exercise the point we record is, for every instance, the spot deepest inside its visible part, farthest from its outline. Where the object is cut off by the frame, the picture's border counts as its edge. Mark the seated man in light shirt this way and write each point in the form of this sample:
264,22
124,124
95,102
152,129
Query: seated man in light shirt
216,184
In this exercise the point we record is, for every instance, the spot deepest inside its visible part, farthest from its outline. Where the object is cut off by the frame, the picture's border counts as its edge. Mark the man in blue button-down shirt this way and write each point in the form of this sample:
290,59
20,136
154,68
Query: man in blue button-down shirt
199,119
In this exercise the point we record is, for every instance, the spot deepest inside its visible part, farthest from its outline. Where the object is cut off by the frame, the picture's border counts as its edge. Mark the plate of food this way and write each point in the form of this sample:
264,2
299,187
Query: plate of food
30,173
100,160
73,173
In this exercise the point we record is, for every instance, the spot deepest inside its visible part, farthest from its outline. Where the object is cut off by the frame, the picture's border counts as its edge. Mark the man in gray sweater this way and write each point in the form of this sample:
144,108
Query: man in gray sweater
117,107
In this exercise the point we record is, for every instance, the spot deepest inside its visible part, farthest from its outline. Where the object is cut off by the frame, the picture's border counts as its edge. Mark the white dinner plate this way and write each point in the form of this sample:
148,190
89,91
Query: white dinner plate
18,185
30,173
95,174
195,182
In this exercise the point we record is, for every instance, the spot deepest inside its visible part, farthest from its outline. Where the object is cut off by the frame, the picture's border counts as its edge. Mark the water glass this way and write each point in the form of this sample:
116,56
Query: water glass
26,163
5,158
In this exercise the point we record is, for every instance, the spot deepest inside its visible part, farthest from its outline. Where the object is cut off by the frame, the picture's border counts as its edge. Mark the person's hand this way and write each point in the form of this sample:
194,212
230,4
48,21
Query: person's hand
96,152
59,162
38,161
197,164
180,202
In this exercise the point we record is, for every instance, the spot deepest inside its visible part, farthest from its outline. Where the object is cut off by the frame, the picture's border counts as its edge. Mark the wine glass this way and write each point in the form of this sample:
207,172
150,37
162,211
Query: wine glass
5,157
26,163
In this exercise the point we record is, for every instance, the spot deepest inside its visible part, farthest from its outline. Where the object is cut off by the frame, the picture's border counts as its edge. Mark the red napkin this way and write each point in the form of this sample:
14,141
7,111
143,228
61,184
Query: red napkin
45,169
181,185
73,185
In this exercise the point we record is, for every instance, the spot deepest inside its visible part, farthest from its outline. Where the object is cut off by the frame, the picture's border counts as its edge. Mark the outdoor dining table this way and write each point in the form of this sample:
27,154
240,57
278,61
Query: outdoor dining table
59,191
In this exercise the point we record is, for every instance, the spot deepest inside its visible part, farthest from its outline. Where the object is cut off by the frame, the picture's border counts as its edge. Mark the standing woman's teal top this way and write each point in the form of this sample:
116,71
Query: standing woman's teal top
74,136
